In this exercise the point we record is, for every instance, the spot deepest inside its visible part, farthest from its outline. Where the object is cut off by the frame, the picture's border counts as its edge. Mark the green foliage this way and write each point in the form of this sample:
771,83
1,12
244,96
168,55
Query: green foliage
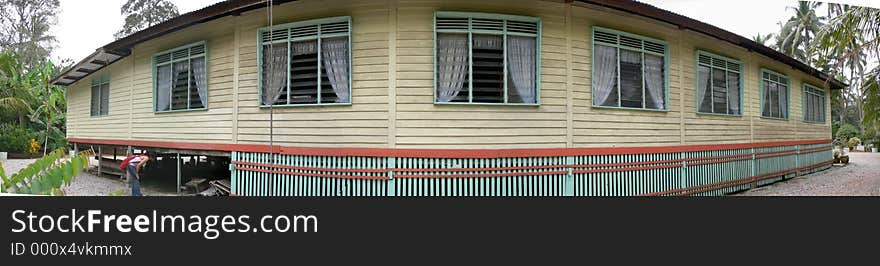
29,101
846,132
854,141
141,14
14,138
117,193
797,33
46,175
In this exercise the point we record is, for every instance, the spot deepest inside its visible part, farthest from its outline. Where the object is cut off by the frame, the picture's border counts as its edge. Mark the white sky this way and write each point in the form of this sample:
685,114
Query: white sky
84,26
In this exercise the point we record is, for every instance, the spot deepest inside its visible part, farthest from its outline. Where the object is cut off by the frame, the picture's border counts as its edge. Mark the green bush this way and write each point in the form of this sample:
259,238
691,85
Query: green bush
854,141
14,138
846,132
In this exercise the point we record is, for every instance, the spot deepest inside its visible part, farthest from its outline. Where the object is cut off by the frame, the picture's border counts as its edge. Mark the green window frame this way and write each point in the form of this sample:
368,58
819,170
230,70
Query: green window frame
501,26
771,82
814,101
715,63
187,55
100,98
630,43
288,34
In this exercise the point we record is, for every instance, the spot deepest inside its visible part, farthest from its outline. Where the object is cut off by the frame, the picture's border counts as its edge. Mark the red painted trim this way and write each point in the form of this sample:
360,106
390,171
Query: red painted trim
341,170
512,168
614,170
440,153
542,173
311,174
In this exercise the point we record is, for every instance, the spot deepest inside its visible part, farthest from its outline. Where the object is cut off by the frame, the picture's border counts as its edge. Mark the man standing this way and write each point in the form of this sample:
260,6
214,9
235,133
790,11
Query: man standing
135,163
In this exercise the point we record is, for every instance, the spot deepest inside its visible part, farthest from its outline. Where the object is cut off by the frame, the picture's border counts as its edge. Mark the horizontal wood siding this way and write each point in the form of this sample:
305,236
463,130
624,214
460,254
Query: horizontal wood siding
416,122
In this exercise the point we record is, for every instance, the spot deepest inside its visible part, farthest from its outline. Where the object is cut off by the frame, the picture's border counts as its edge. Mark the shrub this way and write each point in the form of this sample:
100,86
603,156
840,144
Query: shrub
854,141
14,138
846,132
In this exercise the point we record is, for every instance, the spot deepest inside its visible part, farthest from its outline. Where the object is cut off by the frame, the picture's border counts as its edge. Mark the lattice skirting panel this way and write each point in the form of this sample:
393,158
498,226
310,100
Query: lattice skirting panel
701,172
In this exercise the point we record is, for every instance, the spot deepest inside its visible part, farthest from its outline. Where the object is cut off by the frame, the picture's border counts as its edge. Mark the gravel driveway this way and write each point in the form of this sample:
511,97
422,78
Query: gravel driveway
860,178
89,184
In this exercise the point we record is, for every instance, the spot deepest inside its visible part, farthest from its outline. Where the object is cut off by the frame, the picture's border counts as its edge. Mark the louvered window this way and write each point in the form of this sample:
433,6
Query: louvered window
486,58
100,102
180,80
774,94
629,70
719,86
306,63
814,104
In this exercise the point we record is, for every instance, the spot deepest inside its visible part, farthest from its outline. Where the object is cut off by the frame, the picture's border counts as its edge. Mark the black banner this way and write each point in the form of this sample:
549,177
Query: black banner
423,230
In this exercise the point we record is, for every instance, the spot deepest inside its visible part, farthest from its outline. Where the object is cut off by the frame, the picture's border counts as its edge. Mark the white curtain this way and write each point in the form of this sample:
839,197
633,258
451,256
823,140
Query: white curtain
274,72
163,87
452,65
198,69
334,52
604,73
654,78
703,87
766,111
783,112
521,66
733,93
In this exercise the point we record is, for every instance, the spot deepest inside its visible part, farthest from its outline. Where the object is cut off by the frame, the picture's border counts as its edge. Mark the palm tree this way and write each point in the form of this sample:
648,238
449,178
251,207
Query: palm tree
763,39
797,33
849,38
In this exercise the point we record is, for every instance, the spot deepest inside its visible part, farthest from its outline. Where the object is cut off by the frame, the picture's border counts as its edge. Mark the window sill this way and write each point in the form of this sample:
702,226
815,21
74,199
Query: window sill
630,108
814,122
99,116
774,118
490,104
303,105
721,115
180,111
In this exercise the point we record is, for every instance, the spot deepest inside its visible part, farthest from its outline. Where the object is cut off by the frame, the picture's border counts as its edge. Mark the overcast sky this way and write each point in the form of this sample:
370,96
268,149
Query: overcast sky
84,26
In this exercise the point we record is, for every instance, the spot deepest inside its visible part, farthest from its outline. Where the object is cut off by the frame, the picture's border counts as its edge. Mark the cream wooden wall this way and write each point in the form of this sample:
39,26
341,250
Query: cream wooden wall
392,92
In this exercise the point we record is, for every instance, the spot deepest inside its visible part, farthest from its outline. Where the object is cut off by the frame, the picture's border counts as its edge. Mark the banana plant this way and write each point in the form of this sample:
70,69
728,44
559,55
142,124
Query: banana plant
46,175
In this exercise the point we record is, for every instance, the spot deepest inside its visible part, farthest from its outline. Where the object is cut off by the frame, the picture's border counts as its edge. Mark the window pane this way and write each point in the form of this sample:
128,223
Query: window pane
733,90
488,73
163,88
95,100
180,88
105,99
765,99
605,75
631,79
452,67
274,69
774,100
655,82
198,89
704,89
719,91
304,72
521,69
783,100
335,62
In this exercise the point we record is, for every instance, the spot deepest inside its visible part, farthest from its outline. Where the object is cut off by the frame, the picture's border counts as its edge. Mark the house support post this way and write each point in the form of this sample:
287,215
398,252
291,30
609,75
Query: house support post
178,173
100,156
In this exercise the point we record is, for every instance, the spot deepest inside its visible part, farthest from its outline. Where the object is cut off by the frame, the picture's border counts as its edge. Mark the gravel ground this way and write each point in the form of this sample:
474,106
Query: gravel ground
860,178
89,184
